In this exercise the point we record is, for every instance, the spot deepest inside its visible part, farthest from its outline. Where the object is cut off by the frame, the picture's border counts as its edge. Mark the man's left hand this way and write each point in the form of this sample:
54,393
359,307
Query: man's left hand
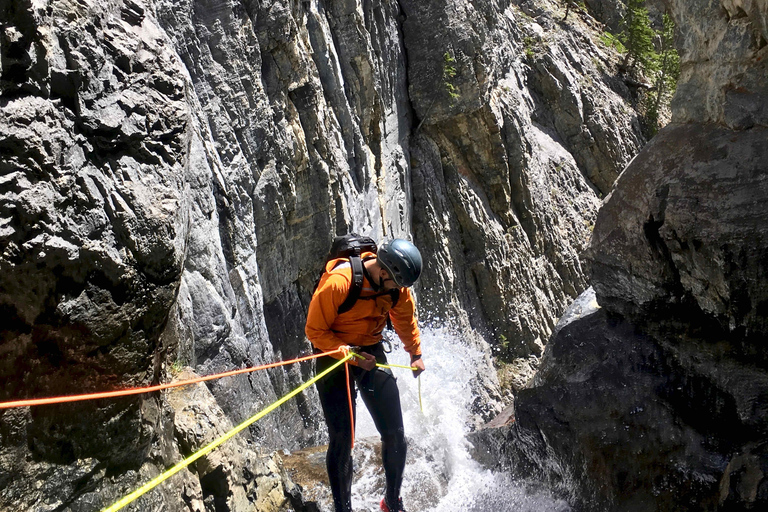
419,365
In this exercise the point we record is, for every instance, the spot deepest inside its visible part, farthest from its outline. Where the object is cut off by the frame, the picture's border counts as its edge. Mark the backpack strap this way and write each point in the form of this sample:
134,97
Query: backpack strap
356,287
357,284
395,296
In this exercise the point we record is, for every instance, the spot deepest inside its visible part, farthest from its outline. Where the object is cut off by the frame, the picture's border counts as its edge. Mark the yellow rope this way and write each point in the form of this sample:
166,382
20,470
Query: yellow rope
421,405
396,366
218,442
386,365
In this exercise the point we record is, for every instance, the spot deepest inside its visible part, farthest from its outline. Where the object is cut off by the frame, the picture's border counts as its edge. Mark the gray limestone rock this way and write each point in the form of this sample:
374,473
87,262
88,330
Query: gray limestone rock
173,172
300,132
235,476
685,231
618,420
657,400
516,145
609,12
723,48
93,227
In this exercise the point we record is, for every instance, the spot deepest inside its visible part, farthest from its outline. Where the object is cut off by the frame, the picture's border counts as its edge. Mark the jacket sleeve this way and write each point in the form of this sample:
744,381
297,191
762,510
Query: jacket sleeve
404,321
323,310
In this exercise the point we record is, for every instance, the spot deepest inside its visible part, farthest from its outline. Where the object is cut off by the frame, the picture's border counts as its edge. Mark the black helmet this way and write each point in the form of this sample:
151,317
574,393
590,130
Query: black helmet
402,260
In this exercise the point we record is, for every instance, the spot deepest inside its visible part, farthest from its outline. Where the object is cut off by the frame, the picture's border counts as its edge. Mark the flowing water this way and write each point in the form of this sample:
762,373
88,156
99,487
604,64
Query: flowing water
440,475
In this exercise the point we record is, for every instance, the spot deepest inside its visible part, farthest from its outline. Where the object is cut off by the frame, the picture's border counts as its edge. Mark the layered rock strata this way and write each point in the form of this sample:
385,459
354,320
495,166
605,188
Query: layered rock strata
659,399
173,174
520,133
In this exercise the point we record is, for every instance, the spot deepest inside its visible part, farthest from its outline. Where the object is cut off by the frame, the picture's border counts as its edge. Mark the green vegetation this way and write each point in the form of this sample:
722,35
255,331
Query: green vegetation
667,73
176,367
650,57
614,42
529,42
637,37
504,343
449,73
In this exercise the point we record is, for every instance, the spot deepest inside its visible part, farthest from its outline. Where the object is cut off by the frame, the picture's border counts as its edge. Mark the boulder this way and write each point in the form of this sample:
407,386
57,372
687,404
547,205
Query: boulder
617,420
682,242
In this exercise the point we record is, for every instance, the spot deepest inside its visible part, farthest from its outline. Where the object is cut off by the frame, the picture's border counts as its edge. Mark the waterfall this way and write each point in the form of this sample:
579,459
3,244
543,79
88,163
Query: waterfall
440,475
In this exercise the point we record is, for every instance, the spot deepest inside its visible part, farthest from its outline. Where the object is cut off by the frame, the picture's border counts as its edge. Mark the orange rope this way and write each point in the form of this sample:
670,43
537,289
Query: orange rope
159,387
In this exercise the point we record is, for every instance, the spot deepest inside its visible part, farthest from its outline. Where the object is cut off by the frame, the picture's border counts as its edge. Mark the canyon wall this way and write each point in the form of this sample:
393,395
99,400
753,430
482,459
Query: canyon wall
173,173
653,391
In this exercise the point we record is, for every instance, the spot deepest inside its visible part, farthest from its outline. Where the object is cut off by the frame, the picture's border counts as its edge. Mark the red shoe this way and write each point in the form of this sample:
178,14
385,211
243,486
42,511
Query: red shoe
385,508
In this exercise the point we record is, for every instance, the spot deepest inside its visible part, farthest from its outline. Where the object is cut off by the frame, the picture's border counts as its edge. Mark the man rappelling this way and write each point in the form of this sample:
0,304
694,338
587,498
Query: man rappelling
359,291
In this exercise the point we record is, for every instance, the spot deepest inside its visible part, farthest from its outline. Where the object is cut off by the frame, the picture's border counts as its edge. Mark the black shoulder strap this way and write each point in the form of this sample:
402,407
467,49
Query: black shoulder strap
358,273
357,284
395,296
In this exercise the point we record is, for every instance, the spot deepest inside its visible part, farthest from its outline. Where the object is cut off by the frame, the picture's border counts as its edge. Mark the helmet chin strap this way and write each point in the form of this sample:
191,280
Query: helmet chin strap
377,286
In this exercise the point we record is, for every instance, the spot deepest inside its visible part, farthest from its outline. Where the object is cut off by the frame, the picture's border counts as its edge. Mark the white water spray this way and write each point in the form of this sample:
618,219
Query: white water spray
440,475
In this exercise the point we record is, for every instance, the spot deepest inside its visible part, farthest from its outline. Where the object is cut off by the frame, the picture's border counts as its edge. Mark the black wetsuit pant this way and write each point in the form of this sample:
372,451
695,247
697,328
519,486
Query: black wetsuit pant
380,395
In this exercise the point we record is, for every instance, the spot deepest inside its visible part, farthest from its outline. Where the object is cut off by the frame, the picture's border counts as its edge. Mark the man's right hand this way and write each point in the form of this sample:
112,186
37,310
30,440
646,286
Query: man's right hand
368,362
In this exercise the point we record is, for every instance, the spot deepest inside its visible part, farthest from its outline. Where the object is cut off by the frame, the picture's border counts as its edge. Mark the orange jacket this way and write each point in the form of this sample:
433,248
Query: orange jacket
363,324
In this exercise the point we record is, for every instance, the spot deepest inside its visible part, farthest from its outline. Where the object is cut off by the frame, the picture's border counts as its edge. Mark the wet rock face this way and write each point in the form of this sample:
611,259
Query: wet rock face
618,420
93,216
